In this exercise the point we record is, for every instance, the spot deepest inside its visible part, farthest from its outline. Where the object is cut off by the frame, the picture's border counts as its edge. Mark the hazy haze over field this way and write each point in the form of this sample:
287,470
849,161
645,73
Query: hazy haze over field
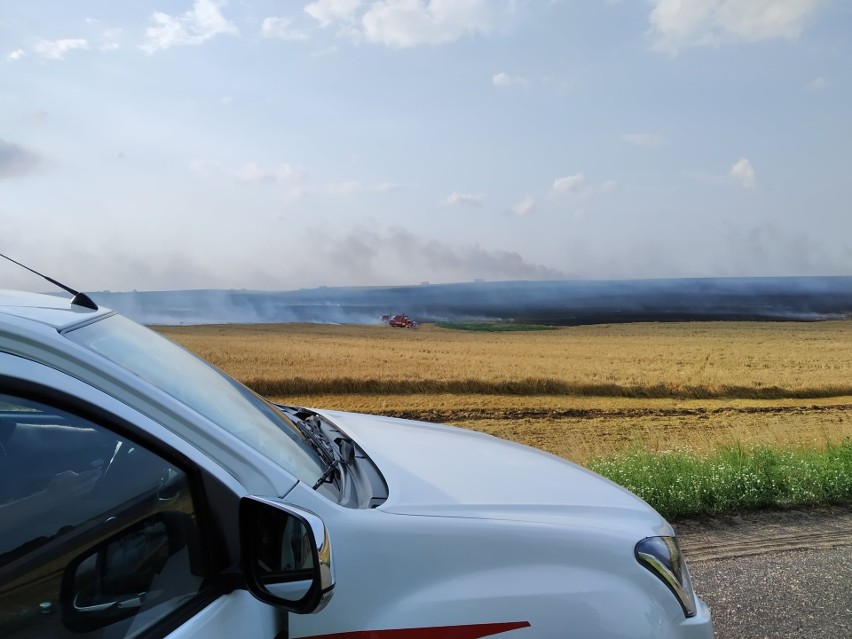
278,145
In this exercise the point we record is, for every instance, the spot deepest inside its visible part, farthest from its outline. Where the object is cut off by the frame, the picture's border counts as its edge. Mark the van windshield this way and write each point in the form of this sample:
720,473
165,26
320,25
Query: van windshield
203,388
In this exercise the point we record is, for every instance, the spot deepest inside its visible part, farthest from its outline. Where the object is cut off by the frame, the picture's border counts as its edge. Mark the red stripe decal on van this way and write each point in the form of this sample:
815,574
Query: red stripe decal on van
474,631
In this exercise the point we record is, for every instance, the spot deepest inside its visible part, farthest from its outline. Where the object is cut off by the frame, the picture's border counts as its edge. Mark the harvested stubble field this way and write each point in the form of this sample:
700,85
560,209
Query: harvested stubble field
579,392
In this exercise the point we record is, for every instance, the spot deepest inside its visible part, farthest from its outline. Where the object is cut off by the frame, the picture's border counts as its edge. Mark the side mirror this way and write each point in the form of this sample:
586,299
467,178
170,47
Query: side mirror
286,555
116,579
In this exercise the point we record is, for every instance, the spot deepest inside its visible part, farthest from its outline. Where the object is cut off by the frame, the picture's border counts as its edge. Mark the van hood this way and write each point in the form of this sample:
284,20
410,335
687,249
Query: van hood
445,471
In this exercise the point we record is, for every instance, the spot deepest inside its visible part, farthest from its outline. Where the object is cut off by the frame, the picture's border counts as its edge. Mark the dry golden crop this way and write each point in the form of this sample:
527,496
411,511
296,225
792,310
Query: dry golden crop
578,392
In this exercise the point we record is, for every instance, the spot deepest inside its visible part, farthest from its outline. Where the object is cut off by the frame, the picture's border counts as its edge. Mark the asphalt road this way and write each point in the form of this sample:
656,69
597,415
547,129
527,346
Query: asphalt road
774,575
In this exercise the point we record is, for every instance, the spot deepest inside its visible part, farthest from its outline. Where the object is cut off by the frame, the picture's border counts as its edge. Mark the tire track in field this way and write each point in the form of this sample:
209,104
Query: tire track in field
468,414
528,387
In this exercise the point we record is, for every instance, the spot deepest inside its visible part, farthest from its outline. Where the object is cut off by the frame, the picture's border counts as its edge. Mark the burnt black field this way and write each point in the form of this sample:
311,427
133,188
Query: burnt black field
559,303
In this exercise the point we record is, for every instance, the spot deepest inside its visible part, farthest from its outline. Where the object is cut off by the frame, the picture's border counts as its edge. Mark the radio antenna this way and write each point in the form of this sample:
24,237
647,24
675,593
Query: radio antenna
80,299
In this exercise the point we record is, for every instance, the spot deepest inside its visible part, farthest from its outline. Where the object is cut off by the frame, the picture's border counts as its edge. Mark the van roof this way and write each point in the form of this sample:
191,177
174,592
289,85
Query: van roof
52,310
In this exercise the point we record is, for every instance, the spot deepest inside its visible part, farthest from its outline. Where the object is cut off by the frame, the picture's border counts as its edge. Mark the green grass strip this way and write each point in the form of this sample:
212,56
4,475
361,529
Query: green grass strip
680,484
494,327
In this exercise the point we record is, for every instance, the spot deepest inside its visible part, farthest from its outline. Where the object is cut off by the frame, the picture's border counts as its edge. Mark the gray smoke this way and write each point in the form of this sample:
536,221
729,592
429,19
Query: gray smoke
398,256
565,302
16,161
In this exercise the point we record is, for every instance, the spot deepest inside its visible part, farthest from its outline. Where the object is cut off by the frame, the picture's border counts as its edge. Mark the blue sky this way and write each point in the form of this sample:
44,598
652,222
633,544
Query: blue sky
280,145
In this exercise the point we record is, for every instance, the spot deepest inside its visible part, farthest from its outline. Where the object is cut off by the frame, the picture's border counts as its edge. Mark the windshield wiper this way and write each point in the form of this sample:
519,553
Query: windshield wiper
309,426
317,441
328,474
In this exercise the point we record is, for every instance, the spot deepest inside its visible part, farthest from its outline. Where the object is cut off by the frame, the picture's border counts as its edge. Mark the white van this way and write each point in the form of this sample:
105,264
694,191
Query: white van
143,493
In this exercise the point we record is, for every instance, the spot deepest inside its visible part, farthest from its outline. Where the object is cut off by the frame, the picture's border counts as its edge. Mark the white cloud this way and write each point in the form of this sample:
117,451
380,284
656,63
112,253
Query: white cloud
348,187
17,54
387,187
817,84
354,187
409,23
644,139
281,29
110,40
57,49
204,167
327,12
743,172
296,193
464,199
524,206
506,80
199,24
569,184
676,24
251,172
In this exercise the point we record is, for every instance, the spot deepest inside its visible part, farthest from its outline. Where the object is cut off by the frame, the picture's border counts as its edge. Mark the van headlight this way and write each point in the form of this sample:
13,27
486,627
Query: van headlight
662,556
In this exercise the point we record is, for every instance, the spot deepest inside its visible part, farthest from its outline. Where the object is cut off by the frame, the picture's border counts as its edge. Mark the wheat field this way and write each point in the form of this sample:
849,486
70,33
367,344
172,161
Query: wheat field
579,392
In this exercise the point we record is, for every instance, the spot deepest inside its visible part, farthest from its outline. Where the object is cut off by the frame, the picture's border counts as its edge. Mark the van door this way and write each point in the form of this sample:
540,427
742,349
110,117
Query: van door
107,535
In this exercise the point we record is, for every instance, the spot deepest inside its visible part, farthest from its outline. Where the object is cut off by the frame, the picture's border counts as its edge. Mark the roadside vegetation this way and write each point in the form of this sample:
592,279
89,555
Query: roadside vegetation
644,404
681,484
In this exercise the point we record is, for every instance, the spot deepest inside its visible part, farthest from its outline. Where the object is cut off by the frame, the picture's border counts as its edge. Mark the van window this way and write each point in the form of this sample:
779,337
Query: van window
98,536
203,388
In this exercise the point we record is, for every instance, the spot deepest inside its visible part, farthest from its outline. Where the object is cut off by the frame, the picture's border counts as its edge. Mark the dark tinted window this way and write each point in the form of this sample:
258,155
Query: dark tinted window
80,503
